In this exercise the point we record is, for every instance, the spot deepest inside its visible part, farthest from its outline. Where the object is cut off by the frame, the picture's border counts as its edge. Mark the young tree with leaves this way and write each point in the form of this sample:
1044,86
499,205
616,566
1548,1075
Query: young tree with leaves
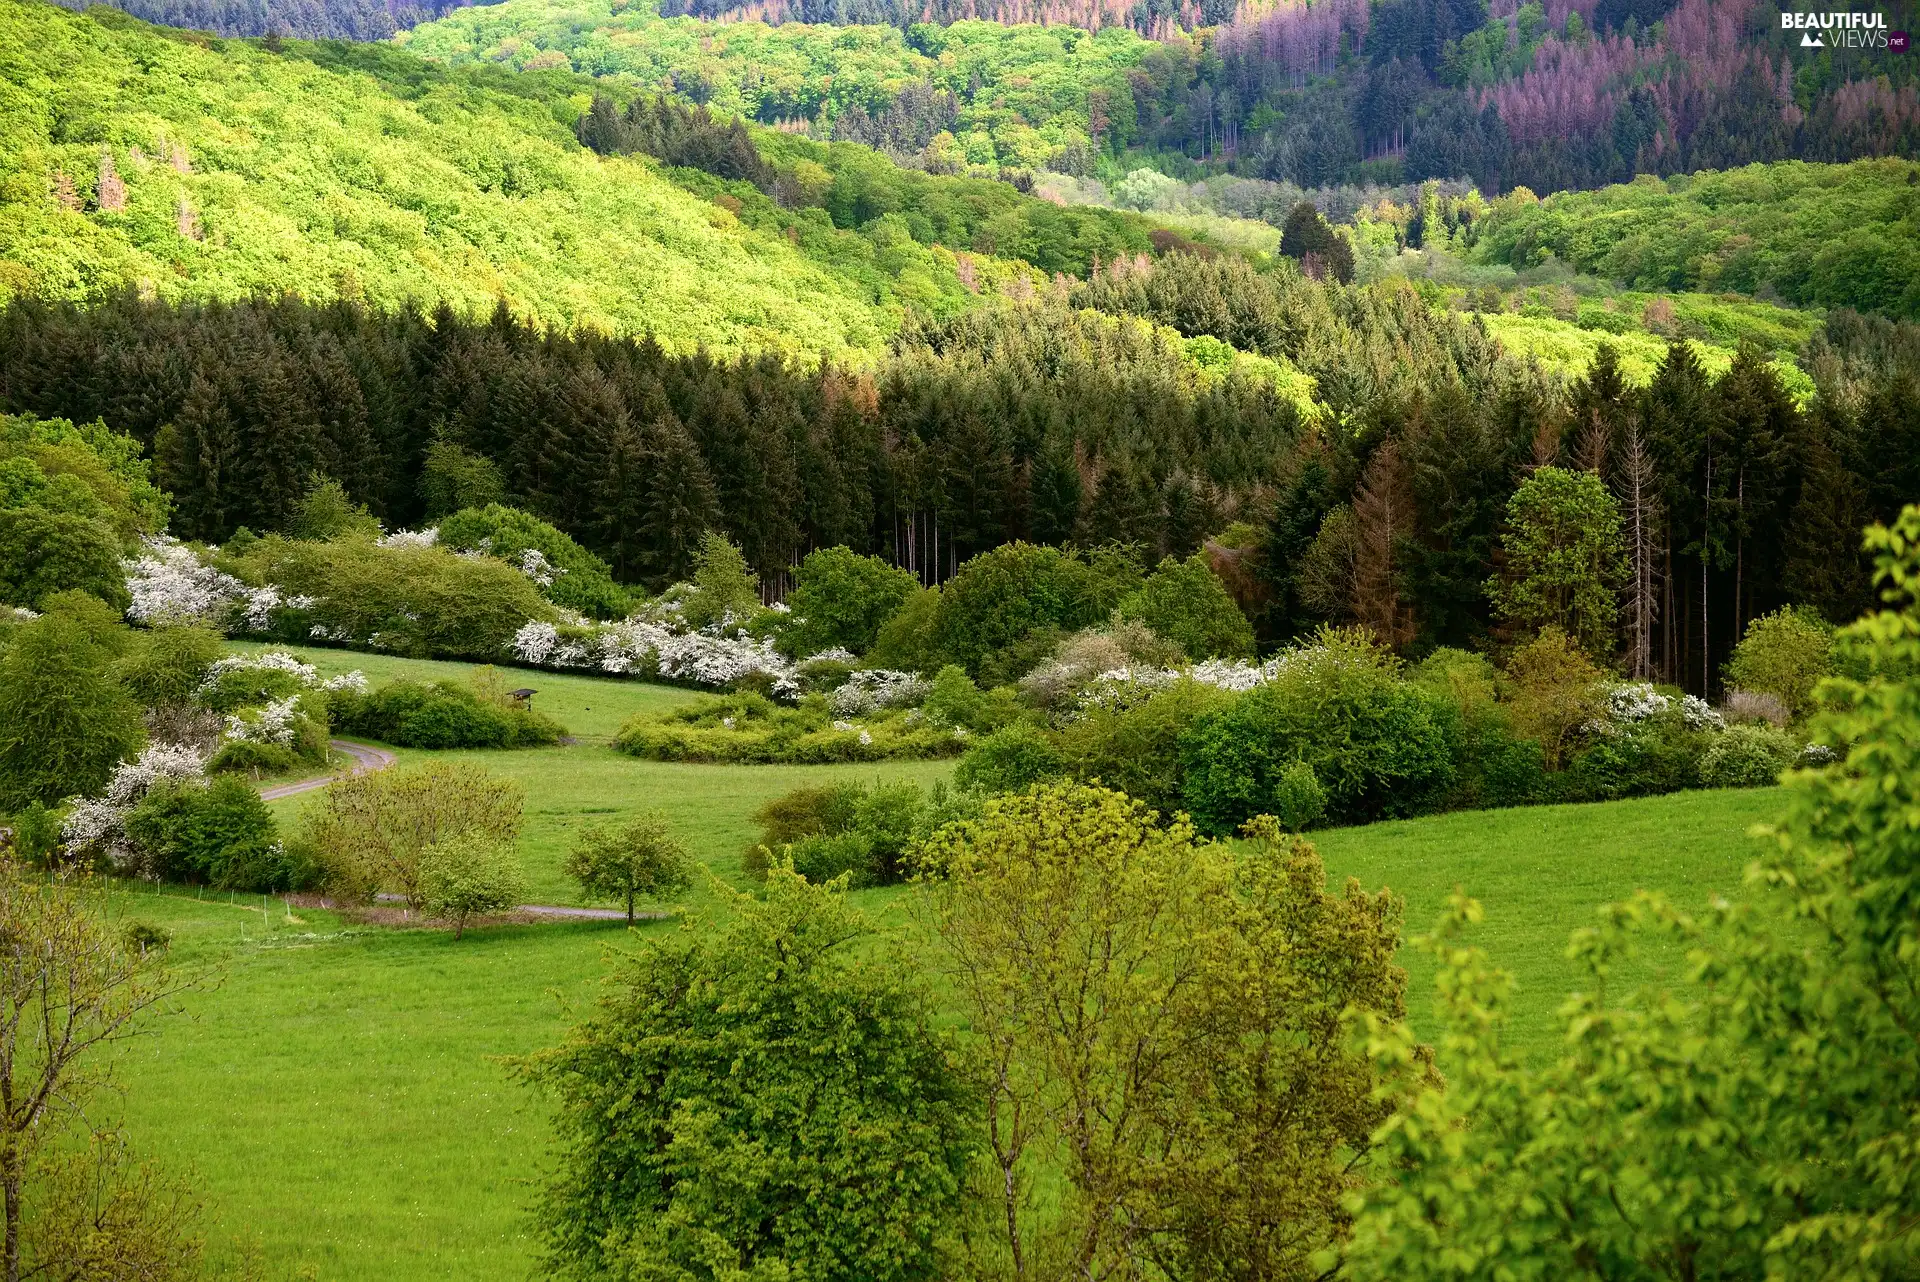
1160,1024
1564,558
638,860
767,1098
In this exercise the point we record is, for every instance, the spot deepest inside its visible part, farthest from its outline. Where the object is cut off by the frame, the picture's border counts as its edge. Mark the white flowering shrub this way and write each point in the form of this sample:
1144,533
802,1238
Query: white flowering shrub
99,823
1121,688
169,585
533,563
274,724
354,682
1636,701
875,689
410,538
1699,714
266,661
638,647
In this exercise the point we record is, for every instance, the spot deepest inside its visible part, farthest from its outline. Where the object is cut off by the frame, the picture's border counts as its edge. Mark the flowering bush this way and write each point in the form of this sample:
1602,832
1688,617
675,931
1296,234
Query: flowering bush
638,647
97,825
168,584
274,724
876,690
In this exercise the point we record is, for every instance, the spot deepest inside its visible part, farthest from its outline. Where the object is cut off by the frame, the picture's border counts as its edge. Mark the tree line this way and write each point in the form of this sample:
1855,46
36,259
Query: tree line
1382,505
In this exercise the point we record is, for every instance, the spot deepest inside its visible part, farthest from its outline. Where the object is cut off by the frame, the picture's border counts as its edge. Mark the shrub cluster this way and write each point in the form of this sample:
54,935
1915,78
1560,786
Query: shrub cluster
441,714
864,833
751,729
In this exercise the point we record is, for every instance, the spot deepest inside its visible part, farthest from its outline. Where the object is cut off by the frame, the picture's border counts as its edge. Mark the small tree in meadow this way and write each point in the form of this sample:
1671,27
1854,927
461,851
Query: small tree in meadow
841,599
368,832
467,876
64,722
639,860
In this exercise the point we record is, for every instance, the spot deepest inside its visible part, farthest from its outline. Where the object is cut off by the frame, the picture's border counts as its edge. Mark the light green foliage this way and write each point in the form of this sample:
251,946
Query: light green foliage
1185,602
79,469
841,598
640,859
453,478
1298,798
1819,235
1761,1125
467,875
367,832
64,721
840,1151
1785,654
1160,1026
1033,80
337,171
955,701
751,729
327,513
166,665
1552,689
1377,744
724,588
575,577
71,501
415,601
1564,558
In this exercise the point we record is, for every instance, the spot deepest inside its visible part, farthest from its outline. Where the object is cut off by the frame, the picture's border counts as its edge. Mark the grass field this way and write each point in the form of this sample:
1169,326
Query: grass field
338,1092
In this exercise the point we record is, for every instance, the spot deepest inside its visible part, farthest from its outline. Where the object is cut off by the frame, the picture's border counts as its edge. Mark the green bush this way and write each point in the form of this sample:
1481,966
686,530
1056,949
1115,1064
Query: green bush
1376,743
46,552
1185,602
440,714
909,640
1298,799
422,602
244,756
64,721
577,579
1651,757
750,729
1748,757
219,833
1010,760
166,665
867,833
1003,596
1137,749
1784,654
841,599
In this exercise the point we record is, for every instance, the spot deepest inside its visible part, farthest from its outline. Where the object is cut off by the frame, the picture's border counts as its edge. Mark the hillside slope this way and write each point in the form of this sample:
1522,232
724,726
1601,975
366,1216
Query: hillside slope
189,168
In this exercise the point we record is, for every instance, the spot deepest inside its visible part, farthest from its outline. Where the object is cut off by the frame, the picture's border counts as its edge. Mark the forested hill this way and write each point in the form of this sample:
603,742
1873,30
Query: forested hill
1815,235
1550,96
305,19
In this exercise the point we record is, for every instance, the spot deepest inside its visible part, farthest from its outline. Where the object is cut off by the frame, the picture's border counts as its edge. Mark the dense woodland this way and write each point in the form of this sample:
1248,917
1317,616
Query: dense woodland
1561,96
302,19
1030,421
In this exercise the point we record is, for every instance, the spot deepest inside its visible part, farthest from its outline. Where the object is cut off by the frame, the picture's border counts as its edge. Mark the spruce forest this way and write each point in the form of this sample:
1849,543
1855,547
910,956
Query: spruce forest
969,641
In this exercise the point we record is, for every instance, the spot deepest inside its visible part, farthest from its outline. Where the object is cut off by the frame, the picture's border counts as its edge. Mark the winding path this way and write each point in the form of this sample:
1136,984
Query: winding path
366,760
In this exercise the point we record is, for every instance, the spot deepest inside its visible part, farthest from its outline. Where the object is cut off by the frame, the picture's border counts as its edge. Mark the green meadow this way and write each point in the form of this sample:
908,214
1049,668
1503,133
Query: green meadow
338,1091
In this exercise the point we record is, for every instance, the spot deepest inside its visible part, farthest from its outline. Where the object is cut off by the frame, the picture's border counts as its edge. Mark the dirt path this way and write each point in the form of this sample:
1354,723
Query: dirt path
366,759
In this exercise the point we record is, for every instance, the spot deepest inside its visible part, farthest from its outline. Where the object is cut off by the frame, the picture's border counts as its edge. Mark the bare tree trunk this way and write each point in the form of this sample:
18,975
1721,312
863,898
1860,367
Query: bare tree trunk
1706,556
1638,476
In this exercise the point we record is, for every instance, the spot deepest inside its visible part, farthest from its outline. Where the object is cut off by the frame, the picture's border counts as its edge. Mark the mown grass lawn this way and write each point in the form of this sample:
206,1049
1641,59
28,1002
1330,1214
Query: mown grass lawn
338,1092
